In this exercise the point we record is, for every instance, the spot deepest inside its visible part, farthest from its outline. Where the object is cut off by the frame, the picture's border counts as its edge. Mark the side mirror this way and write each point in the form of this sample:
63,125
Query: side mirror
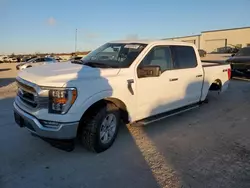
149,71
232,55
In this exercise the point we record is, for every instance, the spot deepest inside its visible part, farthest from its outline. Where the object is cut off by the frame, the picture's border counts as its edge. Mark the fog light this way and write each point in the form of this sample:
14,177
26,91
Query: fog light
50,124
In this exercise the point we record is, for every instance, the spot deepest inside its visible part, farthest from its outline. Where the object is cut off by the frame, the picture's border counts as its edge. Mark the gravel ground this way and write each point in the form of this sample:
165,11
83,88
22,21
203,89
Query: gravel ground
7,77
206,147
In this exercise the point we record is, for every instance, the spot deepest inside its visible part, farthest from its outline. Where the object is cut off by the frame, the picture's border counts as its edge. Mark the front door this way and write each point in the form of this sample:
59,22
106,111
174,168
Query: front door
156,94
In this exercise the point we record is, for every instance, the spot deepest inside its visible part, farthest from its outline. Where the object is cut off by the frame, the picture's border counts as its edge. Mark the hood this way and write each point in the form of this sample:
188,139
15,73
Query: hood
59,74
239,59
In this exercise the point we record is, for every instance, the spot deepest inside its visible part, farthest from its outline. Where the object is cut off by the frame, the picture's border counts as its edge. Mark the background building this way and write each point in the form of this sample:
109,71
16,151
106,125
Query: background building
219,40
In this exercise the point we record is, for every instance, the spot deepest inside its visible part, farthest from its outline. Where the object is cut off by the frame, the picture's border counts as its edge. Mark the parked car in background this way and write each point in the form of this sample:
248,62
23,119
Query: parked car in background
58,59
227,50
76,58
235,50
35,62
122,81
202,53
240,62
2,58
7,59
13,60
18,59
27,58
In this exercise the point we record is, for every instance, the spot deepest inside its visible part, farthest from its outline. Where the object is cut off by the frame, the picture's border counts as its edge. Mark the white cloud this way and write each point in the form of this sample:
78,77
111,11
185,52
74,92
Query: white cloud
51,21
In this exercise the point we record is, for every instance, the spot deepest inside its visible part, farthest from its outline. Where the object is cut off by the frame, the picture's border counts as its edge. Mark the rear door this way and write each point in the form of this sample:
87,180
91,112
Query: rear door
189,74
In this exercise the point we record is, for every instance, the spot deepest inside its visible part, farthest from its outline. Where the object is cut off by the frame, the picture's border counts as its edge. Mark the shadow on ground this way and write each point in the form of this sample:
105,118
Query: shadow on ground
1,70
6,81
28,161
208,146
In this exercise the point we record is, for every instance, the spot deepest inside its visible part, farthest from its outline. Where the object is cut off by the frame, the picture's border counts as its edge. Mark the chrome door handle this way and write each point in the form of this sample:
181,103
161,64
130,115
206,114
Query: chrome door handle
173,79
130,82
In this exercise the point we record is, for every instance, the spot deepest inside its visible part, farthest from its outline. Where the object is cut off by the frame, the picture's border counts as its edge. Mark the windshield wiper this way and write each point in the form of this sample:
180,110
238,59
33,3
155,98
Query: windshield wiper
77,61
97,64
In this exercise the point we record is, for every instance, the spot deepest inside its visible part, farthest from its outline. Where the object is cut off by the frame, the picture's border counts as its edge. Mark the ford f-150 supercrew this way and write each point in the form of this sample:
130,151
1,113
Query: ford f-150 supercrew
121,82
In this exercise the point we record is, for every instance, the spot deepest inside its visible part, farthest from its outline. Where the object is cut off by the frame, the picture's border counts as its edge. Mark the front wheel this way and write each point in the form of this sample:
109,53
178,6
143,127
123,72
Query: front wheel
100,128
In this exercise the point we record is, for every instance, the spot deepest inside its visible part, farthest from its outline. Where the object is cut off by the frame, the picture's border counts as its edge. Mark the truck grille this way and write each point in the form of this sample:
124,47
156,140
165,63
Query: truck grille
29,96
26,94
25,87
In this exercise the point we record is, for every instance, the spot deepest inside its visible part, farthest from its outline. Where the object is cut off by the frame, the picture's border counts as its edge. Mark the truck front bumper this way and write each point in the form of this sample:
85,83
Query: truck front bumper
63,130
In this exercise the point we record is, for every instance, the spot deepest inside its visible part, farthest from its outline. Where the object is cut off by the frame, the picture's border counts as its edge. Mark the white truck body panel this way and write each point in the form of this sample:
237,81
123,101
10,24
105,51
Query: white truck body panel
213,73
151,96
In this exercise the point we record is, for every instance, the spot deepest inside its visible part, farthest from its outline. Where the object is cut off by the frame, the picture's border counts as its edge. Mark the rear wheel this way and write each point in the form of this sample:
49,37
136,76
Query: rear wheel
100,128
232,75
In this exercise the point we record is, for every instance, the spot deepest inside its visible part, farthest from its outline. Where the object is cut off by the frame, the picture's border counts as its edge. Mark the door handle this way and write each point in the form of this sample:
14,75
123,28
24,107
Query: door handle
130,82
173,79
200,75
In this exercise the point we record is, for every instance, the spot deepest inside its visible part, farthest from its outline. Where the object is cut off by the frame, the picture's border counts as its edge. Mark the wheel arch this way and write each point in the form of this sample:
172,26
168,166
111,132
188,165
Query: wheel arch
102,102
216,85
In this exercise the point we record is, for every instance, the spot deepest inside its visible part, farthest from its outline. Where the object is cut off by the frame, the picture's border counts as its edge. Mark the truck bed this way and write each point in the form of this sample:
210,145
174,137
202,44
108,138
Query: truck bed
209,63
215,71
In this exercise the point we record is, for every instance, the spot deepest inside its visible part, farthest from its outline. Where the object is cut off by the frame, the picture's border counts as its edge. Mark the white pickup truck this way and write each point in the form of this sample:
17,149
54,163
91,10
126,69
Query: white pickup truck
119,82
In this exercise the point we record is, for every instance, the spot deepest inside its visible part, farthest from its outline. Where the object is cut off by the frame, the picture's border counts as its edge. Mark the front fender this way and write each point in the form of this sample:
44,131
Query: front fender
82,106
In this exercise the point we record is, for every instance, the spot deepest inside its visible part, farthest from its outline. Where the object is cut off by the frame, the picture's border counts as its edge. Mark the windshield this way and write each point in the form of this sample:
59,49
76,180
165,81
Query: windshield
243,52
114,55
31,60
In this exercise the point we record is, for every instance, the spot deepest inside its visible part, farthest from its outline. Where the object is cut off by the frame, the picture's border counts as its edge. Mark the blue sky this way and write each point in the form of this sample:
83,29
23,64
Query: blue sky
29,26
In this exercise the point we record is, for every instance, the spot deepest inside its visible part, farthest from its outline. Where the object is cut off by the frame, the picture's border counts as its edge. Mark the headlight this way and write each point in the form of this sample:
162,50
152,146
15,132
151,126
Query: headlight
60,100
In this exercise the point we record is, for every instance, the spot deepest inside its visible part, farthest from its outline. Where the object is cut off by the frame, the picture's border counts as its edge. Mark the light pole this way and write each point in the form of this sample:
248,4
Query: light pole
75,41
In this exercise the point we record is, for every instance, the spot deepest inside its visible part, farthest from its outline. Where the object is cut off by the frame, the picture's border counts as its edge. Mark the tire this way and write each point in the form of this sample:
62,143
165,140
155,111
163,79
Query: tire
232,75
92,135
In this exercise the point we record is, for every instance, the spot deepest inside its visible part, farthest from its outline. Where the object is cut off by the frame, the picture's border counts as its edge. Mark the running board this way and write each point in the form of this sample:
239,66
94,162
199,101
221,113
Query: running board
164,115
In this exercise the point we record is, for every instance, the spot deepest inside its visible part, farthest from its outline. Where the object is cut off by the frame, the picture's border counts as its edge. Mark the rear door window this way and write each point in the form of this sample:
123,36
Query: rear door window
184,57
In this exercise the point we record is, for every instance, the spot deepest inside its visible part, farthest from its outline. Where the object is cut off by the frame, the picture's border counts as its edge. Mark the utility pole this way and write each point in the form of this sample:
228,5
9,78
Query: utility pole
75,41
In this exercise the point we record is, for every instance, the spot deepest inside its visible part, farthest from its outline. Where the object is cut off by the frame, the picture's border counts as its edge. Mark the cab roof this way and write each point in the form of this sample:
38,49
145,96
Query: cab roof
162,42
